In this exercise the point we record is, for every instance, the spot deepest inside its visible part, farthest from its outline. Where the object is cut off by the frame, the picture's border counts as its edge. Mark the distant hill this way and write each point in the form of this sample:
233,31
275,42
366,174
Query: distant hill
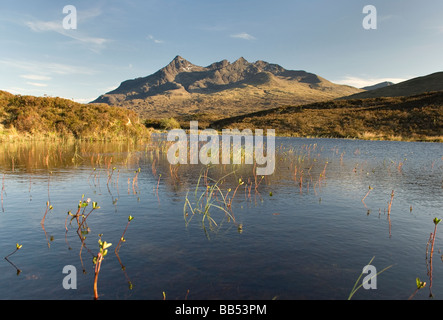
378,85
30,117
415,118
221,89
432,82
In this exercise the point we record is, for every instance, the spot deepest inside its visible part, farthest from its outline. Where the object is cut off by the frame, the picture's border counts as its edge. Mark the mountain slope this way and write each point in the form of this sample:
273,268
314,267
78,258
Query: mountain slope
378,85
414,118
432,82
221,89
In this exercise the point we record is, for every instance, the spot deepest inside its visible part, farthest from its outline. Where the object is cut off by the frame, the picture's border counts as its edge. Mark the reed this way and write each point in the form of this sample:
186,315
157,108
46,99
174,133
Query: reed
369,191
48,208
363,200
431,242
390,202
207,200
122,238
135,181
356,288
229,203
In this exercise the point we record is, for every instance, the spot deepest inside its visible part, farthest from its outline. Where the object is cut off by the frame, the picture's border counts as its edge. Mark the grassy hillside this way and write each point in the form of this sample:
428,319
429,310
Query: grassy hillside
416,118
24,117
415,86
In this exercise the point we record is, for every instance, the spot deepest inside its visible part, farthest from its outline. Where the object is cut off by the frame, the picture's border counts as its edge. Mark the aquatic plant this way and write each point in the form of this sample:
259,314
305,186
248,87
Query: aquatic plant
356,288
48,208
420,285
431,242
207,200
229,203
17,247
84,204
370,188
97,260
135,180
390,202
122,238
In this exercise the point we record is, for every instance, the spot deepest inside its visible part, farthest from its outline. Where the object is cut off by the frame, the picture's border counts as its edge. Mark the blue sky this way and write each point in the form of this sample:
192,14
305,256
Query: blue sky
119,40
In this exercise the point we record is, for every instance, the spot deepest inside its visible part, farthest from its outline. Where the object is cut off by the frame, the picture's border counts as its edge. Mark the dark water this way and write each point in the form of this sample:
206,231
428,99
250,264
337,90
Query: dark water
286,239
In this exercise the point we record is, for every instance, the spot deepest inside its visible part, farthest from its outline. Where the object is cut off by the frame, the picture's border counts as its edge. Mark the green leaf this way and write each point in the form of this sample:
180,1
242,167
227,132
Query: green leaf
106,245
420,284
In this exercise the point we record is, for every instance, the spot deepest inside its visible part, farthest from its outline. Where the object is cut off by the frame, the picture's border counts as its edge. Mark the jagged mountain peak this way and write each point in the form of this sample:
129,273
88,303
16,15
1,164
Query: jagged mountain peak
179,64
241,60
238,85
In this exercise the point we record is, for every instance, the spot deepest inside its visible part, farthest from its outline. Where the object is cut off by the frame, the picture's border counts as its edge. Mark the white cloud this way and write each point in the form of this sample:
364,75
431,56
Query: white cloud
46,68
35,77
95,43
243,35
37,84
84,100
56,26
150,37
359,82
39,26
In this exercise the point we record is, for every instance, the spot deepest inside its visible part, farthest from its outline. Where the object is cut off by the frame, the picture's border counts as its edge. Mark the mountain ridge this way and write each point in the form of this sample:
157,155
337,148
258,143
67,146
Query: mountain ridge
183,88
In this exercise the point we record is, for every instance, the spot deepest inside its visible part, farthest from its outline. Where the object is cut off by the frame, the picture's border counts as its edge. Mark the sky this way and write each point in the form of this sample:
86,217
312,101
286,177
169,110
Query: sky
83,53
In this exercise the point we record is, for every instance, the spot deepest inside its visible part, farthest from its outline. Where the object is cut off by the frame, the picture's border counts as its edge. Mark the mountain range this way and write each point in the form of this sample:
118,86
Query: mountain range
222,89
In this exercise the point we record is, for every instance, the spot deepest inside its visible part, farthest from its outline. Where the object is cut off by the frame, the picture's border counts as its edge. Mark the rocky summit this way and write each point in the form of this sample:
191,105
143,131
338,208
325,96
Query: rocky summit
221,89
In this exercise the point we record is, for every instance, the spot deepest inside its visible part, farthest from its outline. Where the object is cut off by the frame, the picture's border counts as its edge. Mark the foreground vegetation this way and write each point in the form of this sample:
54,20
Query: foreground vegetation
29,117
415,118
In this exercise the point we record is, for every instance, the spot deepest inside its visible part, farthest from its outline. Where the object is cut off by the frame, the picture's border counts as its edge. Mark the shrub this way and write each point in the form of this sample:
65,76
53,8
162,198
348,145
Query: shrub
169,123
37,116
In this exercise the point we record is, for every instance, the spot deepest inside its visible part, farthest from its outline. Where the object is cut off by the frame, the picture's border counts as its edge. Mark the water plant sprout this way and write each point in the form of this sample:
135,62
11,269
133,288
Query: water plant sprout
122,238
97,260
17,247
431,242
117,249
420,285
48,208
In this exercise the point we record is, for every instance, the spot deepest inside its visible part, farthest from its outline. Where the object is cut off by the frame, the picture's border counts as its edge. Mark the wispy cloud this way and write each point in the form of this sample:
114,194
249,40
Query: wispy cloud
151,37
360,82
56,26
243,35
38,69
37,84
35,77
95,43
